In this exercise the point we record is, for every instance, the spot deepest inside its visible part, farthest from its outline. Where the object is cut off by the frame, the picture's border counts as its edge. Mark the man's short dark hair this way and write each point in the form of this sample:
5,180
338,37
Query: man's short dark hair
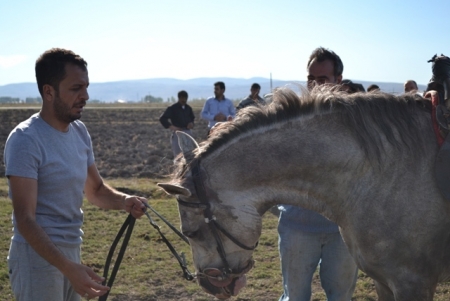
412,81
352,87
50,67
182,94
256,86
373,87
321,54
220,84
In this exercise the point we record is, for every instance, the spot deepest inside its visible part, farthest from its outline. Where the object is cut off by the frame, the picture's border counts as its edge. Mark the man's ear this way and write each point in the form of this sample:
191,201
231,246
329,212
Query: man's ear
338,79
48,93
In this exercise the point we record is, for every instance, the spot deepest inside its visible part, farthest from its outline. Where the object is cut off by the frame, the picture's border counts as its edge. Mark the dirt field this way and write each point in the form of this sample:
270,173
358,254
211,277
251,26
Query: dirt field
128,142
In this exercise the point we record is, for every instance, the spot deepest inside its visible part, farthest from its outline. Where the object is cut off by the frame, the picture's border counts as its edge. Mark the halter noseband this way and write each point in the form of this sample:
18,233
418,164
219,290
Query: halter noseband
210,219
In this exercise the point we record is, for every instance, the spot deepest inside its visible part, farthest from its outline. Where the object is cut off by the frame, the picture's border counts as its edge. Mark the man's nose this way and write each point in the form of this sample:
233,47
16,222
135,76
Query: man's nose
84,95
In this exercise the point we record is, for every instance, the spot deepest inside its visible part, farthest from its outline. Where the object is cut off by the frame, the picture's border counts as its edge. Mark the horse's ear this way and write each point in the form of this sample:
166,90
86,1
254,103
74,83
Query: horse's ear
186,142
174,189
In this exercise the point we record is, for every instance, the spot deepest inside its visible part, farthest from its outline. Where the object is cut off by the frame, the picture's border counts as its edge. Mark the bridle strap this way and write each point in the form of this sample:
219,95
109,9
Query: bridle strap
220,248
210,218
192,205
216,224
165,221
180,258
230,237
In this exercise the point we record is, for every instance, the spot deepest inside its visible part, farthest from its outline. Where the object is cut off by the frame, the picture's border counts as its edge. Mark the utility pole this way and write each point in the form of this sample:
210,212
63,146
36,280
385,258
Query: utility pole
270,82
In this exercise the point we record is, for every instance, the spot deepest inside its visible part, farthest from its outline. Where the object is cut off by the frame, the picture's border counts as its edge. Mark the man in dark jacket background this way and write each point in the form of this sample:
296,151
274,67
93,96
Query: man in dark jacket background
181,118
253,99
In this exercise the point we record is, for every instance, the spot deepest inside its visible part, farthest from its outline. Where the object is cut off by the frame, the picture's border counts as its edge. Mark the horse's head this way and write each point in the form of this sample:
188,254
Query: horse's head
222,230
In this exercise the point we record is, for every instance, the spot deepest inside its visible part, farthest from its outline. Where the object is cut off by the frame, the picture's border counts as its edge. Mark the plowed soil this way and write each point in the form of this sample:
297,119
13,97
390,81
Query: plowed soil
128,142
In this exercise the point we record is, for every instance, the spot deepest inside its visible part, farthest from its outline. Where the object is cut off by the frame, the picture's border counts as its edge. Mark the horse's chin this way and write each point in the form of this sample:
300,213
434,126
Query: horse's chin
223,289
223,286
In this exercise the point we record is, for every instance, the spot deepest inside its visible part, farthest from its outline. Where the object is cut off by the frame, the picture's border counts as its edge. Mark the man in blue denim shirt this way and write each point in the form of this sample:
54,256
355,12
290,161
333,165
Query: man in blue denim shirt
306,238
218,108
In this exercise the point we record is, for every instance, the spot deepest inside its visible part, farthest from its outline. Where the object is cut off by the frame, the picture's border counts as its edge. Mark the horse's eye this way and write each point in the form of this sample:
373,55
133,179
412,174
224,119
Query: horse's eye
190,234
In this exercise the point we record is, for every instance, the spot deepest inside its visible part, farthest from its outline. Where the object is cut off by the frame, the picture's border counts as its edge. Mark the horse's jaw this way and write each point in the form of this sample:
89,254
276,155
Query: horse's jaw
223,292
214,282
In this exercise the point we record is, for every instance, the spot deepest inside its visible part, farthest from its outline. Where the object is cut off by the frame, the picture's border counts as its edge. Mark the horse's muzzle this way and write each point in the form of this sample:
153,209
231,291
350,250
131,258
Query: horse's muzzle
223,286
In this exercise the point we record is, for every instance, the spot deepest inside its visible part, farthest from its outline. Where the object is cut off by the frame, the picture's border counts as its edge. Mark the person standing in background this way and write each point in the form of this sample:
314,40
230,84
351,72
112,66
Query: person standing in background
181,118
307,238
253,98
373,88
410,86
218,108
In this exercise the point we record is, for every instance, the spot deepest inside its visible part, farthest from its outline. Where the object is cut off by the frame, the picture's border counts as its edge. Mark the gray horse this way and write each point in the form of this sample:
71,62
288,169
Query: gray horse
364,161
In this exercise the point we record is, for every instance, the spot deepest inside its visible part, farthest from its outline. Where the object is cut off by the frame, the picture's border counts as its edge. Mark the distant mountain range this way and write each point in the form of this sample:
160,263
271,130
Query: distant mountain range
135,90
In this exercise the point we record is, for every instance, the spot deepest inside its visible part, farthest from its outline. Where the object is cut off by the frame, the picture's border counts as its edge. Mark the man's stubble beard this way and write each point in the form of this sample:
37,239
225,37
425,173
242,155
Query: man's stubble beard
62,111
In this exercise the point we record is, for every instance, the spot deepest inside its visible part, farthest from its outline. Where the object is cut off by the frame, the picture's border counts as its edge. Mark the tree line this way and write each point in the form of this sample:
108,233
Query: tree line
7,99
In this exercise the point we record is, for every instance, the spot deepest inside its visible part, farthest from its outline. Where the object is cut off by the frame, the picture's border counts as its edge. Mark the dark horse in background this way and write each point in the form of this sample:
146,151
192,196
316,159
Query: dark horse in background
364,161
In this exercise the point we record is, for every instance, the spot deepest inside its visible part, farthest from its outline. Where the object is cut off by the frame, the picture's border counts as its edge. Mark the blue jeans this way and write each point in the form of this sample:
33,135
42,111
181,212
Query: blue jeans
301,252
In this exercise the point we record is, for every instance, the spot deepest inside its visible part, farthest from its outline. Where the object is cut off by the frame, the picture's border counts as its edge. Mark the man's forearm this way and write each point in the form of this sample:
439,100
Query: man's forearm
41,243
107,197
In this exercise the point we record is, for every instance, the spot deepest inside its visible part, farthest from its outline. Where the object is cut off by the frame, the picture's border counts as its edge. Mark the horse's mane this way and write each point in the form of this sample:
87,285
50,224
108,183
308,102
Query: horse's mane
366,114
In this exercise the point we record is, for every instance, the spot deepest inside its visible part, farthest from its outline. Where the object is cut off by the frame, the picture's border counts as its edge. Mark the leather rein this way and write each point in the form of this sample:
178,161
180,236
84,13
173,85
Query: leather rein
210,219
128,226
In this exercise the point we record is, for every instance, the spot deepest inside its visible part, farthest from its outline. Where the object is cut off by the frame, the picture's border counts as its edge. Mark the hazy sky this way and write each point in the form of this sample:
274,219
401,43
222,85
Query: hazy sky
382,40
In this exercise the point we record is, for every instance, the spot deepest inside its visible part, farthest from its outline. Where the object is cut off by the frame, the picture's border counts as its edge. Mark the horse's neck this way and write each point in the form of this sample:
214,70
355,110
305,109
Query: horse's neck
287,166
